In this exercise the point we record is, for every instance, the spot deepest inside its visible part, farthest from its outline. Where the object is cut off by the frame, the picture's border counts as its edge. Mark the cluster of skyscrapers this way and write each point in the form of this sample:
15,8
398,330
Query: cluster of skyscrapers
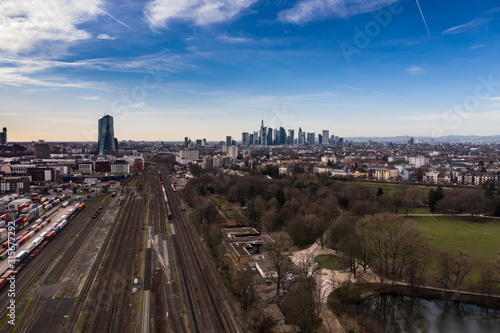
268,136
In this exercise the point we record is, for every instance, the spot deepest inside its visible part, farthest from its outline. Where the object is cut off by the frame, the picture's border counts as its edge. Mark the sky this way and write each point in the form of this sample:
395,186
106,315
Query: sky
166,69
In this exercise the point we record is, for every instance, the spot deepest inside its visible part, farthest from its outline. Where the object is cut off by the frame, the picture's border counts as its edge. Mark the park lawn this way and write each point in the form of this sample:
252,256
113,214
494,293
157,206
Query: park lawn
480,239
421,210
330,262
230,212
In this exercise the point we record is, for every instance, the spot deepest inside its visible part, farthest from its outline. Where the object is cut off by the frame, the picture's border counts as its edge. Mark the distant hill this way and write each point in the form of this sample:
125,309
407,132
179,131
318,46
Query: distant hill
427,139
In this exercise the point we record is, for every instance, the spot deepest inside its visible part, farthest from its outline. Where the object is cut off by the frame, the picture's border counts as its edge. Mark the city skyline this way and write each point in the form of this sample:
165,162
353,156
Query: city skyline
165,72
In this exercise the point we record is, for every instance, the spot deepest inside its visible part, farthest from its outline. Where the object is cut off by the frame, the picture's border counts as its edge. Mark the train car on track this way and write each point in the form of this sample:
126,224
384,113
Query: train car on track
169,211
21,255
3,254
165,194
50,235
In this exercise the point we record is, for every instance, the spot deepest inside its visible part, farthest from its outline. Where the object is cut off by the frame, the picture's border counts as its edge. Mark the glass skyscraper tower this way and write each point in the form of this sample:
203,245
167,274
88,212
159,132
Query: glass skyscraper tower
106,140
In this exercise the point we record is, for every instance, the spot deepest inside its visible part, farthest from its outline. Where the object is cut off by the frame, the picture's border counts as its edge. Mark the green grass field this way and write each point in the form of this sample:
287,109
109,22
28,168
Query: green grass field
421,210
230,212
480,239
330,262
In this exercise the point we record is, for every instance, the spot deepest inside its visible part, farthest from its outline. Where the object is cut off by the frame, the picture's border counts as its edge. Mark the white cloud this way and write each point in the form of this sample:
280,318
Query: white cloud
312,10
90,98
15,78
24,71
416,70
26,23
234,40
466,27
105,36
138,105
475,47
200,12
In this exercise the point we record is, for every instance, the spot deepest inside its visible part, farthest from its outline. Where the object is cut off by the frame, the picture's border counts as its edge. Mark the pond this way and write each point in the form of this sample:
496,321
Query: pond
412,314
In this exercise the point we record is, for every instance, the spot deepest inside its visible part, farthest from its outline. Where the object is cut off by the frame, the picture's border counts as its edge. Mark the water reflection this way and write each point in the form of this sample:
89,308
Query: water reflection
416,315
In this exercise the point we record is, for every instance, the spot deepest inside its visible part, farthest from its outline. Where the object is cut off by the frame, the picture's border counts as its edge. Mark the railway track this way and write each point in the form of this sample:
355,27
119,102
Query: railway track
49,287
211,309
104,303
166,312
30,272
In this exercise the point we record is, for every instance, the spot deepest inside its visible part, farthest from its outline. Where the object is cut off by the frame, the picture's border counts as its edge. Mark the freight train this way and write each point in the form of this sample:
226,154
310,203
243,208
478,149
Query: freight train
37,243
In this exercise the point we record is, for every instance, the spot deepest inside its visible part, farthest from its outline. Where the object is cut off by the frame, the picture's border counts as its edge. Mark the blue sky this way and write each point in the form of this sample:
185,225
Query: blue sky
207,69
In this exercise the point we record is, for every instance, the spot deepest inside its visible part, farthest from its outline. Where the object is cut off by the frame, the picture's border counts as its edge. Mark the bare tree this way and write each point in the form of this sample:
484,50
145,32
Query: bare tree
488,282
392,241
461,267
455,267
350,248
277,254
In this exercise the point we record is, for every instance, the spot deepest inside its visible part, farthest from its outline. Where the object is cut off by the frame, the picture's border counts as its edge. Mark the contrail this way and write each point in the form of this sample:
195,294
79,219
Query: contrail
114,18
423,18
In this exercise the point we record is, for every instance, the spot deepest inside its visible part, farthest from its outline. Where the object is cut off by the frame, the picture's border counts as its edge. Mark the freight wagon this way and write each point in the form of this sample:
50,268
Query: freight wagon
21,255
169,211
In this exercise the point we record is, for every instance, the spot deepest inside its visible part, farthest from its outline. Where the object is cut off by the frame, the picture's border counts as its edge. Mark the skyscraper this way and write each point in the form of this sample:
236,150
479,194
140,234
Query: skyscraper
326,137
291,137
269,137
282,136
3,136
106,139
263,134
229,140
245,139
300,140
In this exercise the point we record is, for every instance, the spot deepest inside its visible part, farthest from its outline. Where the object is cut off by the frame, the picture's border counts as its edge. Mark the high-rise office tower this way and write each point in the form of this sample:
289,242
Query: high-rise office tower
3,136
291,137
269,137
320,139
186,142
326,137
311,138
245,139
106,139
251,140
282,136
263,134
229,140
300,140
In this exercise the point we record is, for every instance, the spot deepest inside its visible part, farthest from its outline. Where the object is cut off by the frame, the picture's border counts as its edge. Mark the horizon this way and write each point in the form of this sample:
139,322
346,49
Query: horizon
167,71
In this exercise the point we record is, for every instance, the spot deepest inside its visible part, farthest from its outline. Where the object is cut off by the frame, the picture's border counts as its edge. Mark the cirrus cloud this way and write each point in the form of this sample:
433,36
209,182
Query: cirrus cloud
466,27
313,10
200,12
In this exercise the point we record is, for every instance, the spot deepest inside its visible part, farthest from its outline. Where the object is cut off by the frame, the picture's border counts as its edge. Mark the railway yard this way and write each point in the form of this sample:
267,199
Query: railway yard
130,263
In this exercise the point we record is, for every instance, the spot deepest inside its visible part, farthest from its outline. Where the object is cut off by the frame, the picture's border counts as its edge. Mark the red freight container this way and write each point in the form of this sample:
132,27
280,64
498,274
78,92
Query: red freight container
5,244
4,216
2,283
8,274
50,235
